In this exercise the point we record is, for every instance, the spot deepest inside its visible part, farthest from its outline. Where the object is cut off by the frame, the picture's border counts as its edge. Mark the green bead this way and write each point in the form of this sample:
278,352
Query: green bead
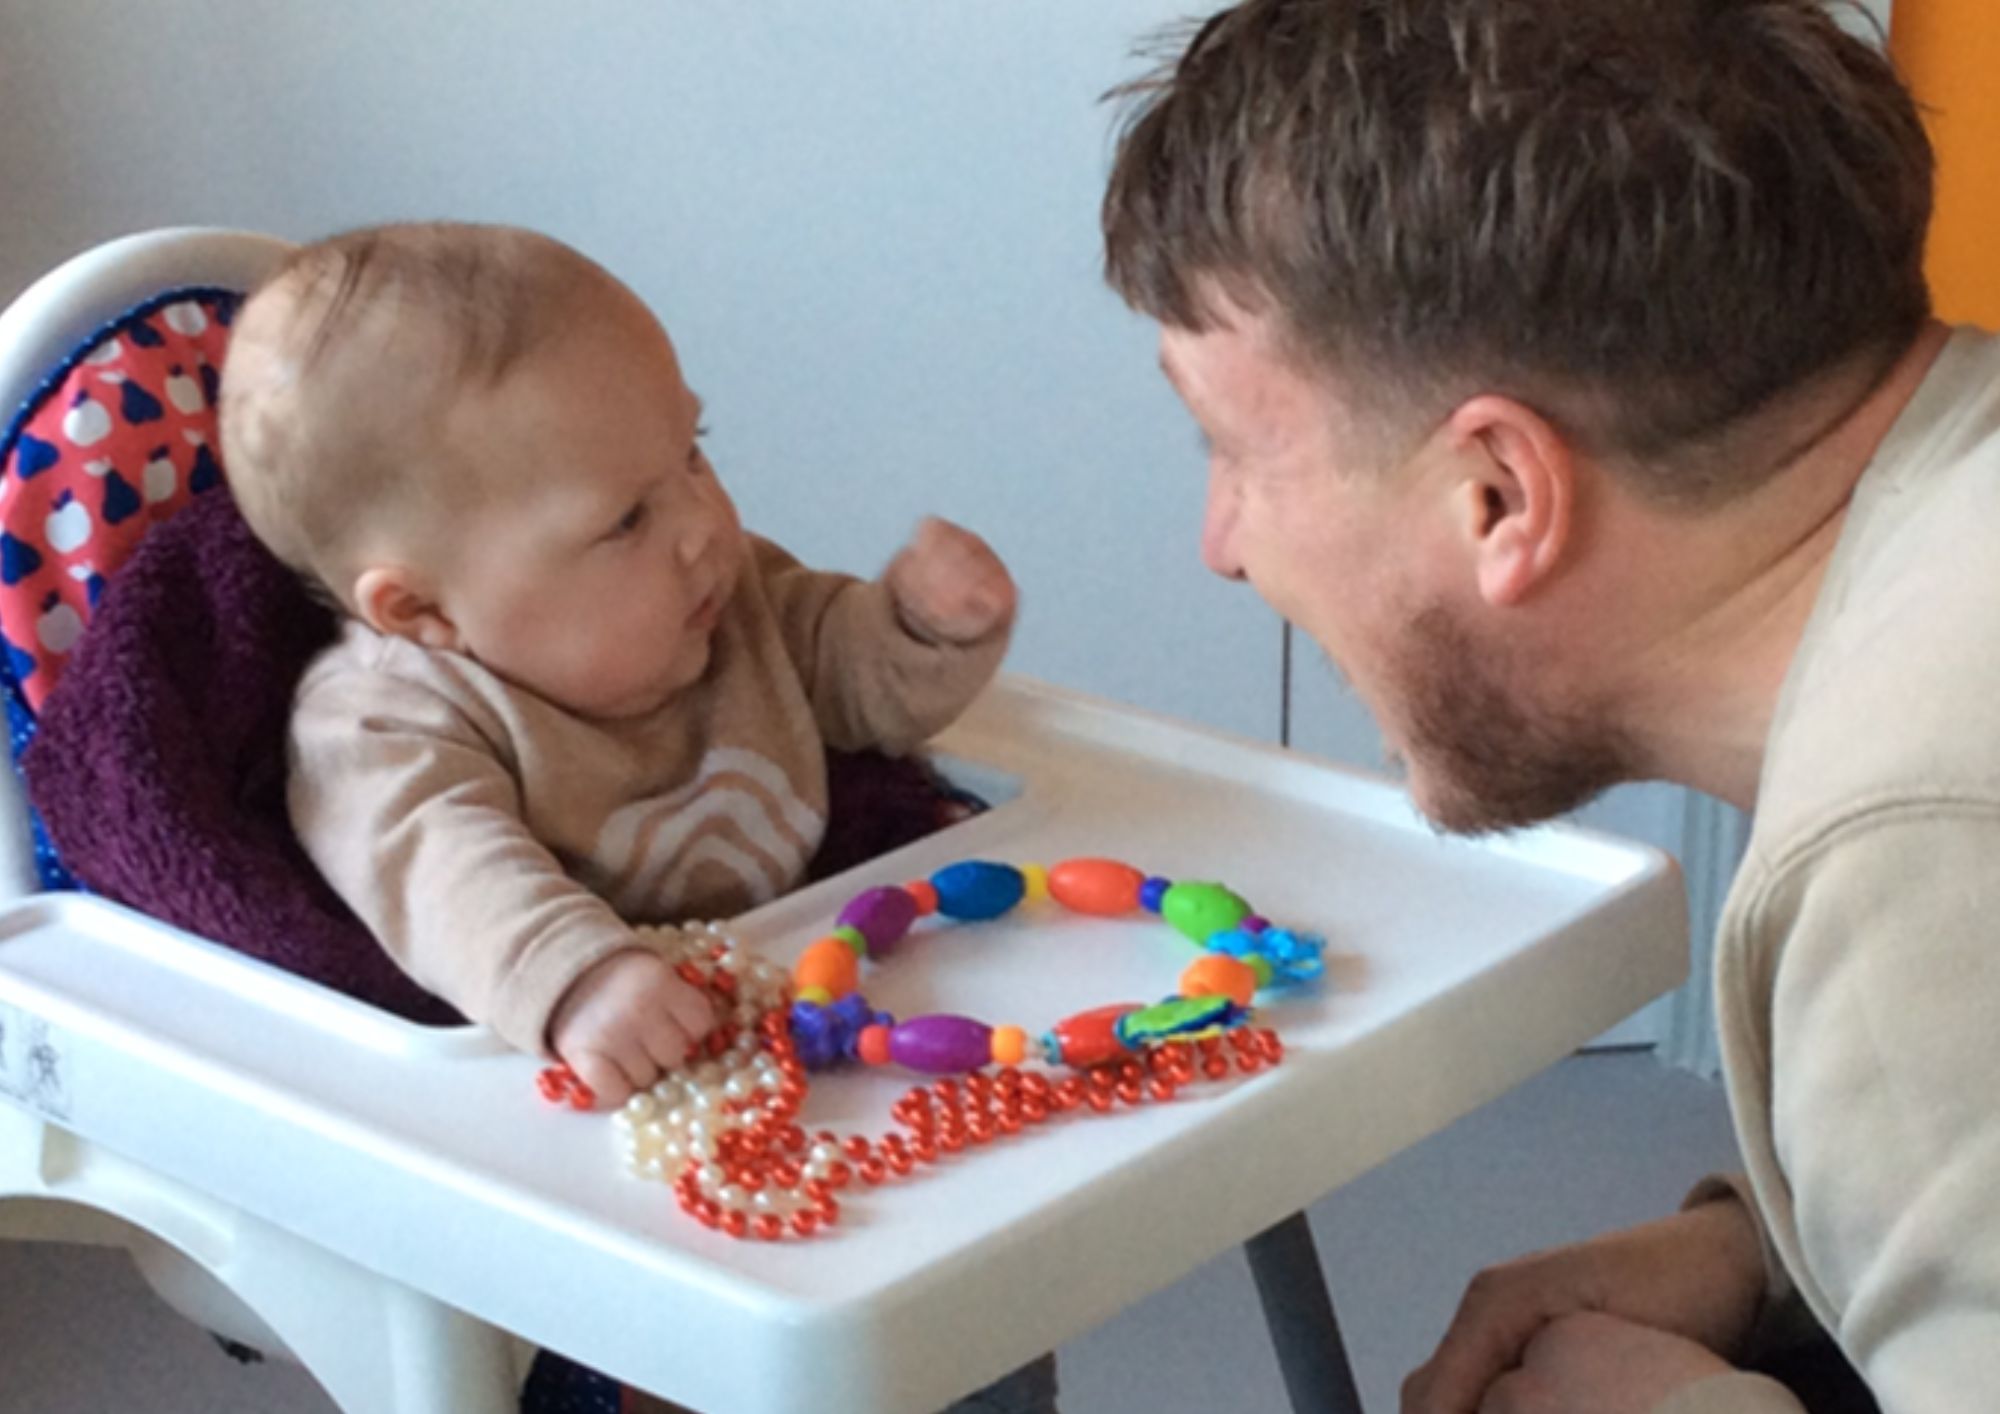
1260,965
853,937
1200,911
1176,1016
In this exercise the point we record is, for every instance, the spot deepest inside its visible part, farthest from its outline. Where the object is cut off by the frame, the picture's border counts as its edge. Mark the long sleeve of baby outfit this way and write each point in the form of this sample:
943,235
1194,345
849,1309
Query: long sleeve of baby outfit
870,681
406,802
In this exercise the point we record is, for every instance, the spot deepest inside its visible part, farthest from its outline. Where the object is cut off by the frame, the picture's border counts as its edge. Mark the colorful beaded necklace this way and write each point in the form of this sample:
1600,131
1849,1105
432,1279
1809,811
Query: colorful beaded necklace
1242,954
724,1132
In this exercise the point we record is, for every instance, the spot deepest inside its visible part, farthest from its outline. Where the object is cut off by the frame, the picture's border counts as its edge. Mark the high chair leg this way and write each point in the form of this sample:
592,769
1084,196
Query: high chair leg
444,1361
375,1345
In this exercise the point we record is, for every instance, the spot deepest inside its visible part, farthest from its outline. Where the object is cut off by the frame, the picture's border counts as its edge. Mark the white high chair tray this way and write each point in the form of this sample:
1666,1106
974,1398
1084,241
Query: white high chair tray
1457,970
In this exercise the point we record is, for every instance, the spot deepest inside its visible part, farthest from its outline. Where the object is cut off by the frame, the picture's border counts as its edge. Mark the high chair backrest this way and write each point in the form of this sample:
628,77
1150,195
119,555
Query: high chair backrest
107,375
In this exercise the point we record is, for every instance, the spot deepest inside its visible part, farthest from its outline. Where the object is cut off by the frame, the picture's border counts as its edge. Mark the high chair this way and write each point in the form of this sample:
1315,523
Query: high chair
391,1206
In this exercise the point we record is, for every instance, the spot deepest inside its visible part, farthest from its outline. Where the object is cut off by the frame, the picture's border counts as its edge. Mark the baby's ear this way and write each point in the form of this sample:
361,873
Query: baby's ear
390,600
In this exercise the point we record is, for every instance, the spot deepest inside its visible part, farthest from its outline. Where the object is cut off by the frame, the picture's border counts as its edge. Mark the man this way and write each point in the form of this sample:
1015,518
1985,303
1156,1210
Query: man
1568,374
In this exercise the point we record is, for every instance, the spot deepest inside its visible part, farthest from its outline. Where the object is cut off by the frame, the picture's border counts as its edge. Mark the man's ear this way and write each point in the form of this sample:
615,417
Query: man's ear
392,600
1519,494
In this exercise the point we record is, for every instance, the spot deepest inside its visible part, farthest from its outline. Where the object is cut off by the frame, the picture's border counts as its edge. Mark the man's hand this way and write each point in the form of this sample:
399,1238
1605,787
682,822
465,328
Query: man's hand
626,1022
948,585
1697,1275
1596,1364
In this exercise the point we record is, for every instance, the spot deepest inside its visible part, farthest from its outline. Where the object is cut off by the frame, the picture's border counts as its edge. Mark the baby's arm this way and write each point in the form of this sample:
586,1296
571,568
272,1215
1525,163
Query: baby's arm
891,662
411,813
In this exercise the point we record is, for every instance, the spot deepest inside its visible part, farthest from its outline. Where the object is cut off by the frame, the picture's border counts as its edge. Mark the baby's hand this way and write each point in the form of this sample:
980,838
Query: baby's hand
948,584
626,1022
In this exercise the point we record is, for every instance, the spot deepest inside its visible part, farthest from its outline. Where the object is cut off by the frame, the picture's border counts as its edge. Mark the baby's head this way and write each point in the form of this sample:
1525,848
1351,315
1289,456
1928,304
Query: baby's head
475,438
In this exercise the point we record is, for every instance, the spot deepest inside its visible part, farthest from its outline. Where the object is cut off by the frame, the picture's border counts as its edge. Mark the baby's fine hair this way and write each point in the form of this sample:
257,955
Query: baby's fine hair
345,359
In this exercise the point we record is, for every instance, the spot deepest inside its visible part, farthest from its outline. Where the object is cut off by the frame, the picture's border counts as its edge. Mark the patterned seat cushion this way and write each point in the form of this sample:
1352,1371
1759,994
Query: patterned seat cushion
119,437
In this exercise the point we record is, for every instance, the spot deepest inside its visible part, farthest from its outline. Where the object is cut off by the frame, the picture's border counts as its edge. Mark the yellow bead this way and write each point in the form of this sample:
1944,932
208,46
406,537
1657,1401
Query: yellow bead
1010,1045
1035,881
819,996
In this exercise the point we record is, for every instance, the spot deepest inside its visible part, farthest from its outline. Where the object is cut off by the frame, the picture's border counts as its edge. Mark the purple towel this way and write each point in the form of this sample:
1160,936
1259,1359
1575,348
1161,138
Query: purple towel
158,768
159,765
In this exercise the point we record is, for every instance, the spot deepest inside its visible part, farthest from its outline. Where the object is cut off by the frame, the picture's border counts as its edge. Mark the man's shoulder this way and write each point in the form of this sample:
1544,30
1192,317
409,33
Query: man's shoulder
1895,690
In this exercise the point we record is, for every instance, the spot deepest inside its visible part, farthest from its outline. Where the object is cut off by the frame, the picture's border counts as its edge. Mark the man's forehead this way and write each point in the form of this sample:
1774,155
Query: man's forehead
1224,369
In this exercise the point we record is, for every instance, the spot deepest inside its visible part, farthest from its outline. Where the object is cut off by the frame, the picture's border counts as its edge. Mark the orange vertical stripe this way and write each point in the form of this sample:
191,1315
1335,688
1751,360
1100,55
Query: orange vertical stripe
1949,50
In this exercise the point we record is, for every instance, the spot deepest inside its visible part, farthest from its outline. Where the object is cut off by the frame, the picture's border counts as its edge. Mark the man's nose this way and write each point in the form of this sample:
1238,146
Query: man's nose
1218,531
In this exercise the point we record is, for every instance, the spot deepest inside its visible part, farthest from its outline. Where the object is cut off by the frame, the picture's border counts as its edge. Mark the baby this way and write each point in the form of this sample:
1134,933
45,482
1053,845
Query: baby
570,693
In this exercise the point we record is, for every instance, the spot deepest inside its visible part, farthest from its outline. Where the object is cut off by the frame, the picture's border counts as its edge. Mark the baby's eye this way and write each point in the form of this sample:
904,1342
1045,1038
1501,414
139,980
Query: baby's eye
630,521
697,455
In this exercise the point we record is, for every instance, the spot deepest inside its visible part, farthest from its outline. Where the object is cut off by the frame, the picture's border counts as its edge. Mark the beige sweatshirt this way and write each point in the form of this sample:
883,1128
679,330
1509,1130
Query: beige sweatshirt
498,845
1858,963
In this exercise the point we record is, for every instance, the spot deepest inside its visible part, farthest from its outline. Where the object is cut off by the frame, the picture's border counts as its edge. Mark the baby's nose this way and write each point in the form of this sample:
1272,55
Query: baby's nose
692,539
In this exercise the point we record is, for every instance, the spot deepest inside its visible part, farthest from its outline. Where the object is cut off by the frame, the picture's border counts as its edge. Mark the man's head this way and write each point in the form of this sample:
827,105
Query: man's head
475,438
1663,238
1647,219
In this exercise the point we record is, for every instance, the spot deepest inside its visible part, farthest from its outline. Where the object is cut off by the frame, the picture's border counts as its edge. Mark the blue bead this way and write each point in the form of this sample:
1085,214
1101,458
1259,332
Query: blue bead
973,889
1152,891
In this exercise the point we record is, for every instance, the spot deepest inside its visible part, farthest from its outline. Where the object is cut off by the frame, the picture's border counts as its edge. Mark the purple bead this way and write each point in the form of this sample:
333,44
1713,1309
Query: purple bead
882,916
941,1044
1254,924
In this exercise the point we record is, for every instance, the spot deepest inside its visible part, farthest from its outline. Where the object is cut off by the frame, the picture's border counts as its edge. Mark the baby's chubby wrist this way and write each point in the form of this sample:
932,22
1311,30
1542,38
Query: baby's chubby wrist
627,1020
914,623
947,587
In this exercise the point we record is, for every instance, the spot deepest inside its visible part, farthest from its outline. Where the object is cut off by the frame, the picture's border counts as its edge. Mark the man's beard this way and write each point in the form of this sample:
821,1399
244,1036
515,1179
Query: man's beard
1490,761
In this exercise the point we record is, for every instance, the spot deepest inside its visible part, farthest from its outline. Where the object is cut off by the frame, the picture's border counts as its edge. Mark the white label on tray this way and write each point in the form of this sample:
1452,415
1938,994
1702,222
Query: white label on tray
34,1063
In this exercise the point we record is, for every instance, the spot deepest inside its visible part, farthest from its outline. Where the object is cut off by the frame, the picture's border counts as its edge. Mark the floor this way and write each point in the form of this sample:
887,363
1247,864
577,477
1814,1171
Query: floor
1598,1141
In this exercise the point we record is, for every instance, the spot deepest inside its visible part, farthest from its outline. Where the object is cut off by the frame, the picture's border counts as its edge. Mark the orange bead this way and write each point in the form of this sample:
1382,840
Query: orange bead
829,965
1100,886
1010,1045
1217,974
872,1045
926,896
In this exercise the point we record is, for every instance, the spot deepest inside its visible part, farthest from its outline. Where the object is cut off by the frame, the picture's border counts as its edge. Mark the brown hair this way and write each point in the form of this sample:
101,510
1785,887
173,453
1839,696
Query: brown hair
1650,219
343,360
